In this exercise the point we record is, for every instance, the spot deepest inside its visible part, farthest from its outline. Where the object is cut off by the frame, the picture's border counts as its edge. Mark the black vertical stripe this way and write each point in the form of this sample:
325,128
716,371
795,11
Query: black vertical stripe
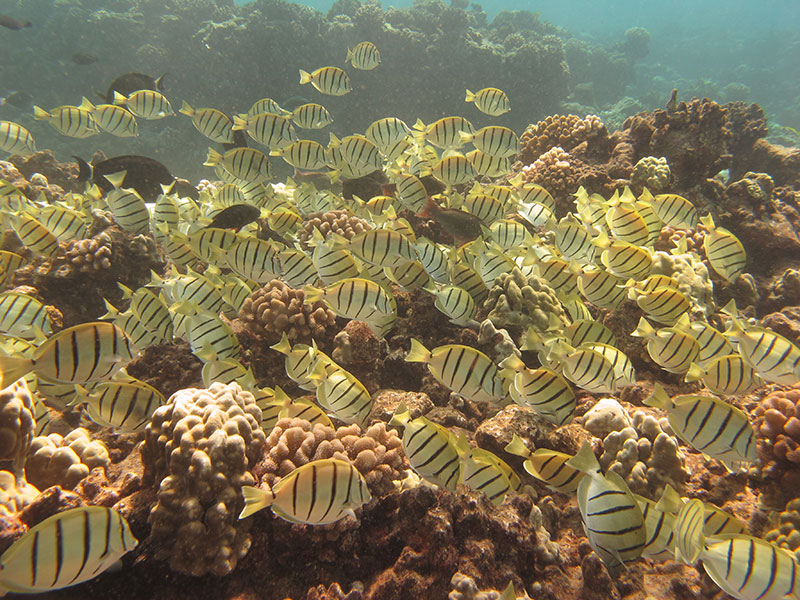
59,541
87,545
34,558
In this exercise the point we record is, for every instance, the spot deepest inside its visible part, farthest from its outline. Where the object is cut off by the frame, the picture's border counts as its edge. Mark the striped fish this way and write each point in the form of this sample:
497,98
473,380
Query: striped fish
383,247
727,375
176,245
671,349
129,210
601,288
124,405
360,300
725,252
489,100
210,337
543,390
191,288
212,123
468,279
357,151
147,104
297,268
210,244
320,492
659,521
166,214
66,549
229,194
332,81
387,132
253,259
485,472
227,371
9,263
248,164
275,404
15,139
675,211
573,240
774,358
745,567
430,448
651,219
613,520
306,155
115,120
268,129
664,305
300,360
626,224
433,259
454,169
332,265
365,56
530,193
709,425
456,304
560,274
487,208
71,121
64,223
340,393
494,140
34,236
85,353
548,466
151,310
512,236
488,165
585,367
713,344
311,116
139,335
717,522
462,369
588,331
625,260
23,316
409,276
444,133
265,105
411,191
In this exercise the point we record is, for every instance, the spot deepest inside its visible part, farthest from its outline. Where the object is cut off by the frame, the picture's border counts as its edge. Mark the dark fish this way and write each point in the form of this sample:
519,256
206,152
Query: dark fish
145,175
293,102
82,58
185,189
463,226
239,140
265,232
235,216
132,82
672,103
21,100
12,23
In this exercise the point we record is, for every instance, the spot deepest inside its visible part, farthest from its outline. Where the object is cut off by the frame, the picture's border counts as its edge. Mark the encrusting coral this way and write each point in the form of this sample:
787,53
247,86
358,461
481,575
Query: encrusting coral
197,452
517,300
564,131
646,456
16,426
651,173
65,461
278,308
376,452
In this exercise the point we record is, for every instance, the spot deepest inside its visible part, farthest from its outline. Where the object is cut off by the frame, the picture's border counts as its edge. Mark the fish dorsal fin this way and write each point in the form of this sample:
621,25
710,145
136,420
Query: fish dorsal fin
116,179
670,501
585,461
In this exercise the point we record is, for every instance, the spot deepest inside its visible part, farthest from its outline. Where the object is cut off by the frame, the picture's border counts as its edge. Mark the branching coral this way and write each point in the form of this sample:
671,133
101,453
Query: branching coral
277,308
645,456
89,255
564,131
197,451
787,533
376,453
55,460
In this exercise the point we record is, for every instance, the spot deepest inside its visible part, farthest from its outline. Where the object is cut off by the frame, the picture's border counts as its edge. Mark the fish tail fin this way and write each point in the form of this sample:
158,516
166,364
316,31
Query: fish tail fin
312,294
186,109
159,83
350,55
239,122
213,158
305,77
120,98
418,352
470,97
84,169
512,363
585,461
283,346
466,138
255,499
86,104
643,329
658,399
12,368
111,311
40,113
401,416
689,538
695,373
517,447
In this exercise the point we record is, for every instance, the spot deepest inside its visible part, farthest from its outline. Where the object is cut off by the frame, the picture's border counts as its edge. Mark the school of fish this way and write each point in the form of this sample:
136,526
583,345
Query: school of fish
600,253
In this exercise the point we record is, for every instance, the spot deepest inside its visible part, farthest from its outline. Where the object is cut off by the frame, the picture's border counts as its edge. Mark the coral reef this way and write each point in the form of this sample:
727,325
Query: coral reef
376,452
64,461
333,221
692,275
651,173
521,302
277,308
646,456
777,422
15,494
197,452
606,417
88,255
787,533
563,131
16,427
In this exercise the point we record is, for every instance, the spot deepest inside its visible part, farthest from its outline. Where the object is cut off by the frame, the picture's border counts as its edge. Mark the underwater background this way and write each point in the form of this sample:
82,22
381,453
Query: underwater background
428,299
